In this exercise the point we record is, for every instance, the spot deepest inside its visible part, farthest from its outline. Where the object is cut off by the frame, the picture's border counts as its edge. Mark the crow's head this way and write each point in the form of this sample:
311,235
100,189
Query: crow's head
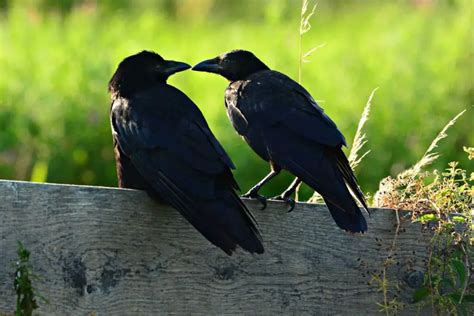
233,65
141,71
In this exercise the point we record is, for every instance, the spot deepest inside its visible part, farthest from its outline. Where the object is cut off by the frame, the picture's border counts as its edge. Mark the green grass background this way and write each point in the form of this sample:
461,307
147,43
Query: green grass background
56,58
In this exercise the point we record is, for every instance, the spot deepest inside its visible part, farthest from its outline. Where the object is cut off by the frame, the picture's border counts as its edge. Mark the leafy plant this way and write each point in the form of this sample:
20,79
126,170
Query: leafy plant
444,206
26,294
443,202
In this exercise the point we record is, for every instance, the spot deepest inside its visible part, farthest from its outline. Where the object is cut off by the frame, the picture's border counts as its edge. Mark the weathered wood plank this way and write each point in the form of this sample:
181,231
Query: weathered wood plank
116,252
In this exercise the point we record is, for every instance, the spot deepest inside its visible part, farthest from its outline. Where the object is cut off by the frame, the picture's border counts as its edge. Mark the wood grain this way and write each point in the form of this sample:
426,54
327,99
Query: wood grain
116,252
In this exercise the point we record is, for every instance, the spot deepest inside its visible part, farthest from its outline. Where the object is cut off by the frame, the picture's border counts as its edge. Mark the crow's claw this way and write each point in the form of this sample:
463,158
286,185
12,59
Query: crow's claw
254,195
287,199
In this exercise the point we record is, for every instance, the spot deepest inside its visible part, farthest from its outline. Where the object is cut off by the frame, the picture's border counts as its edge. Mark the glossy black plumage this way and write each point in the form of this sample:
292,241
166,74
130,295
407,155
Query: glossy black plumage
163,145
285,126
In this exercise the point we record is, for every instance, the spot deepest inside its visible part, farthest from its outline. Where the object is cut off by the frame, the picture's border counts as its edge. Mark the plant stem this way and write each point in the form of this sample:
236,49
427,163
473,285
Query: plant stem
430,280
387,263
300,61
300,67
468,269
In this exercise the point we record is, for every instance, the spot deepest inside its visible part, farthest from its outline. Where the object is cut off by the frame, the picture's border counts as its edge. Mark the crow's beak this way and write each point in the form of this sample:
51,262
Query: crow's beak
209,65
175,66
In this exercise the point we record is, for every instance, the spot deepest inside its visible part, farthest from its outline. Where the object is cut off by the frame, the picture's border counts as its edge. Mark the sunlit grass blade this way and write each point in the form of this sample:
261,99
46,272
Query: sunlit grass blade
429,157
310,52
360,138
305,26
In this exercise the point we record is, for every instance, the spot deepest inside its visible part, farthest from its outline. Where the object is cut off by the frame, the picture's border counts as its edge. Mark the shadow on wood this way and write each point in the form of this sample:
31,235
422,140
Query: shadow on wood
115,251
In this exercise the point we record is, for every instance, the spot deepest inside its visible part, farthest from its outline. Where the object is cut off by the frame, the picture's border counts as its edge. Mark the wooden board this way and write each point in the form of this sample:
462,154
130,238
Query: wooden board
116,252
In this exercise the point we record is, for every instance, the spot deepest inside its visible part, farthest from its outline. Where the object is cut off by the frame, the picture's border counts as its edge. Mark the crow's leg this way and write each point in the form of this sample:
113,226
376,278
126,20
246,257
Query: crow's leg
285,196
253,192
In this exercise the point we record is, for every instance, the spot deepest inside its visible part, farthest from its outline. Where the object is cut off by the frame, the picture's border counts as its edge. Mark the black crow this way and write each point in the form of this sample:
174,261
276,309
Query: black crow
163,145
285,126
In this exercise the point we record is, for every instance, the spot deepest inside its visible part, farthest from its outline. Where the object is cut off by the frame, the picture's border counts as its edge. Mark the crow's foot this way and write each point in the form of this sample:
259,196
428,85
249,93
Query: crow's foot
253,194
287,199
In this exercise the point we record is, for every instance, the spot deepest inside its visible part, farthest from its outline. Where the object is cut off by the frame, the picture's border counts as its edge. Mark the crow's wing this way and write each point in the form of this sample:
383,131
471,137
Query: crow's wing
177,125
168,141
270,97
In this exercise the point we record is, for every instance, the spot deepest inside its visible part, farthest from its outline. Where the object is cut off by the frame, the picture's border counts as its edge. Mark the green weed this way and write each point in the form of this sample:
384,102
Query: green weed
26,294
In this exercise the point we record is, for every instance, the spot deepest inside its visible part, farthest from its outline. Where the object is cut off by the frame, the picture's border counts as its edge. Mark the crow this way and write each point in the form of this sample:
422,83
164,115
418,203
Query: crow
164,146
283,124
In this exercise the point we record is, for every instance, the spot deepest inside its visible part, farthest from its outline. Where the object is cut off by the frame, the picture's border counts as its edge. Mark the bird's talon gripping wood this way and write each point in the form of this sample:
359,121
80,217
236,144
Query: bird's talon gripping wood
253,194
284,197
291,203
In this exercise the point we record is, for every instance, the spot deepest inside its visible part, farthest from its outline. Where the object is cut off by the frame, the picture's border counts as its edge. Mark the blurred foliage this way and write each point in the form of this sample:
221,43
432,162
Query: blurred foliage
56,58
